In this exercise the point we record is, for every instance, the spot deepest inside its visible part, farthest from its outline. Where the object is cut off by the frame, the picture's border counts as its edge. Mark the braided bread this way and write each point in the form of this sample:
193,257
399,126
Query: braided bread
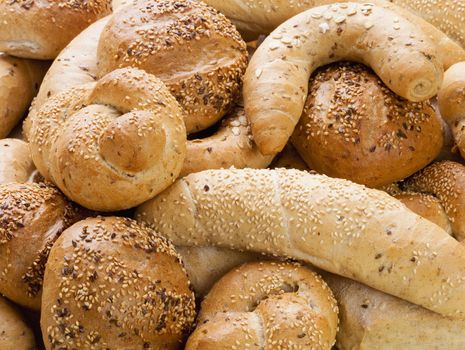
40,29
267,305
15,161
112,144
276,80
319,220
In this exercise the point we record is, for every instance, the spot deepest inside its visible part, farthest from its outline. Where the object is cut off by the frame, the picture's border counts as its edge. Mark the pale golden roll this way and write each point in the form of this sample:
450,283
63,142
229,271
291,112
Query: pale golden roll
19,82
40,29
253,18
191,47
113,144
15,161
334,224
451,100
15,333
113,284
33,216
74,66
370,319
269,306
354,127
231,145
446,181
276,80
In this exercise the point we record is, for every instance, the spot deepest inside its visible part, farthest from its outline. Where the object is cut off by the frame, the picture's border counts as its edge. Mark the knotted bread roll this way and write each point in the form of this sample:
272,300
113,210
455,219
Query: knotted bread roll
15,161
32,218
19,82
40,29
276,80
15,334
112,144
267,305
192,48
336,225
113,284
451,100
354,127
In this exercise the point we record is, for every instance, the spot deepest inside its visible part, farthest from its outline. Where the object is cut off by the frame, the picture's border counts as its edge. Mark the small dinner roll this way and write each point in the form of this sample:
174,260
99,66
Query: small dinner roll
15,333
111,283
15,161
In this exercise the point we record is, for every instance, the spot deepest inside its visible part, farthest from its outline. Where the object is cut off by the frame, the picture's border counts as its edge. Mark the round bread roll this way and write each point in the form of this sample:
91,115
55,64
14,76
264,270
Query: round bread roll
15,334
113,144
231,145
40,29
446,181
15,161
19,82
32,217
113,284
191,47
354,127
267,305
276,80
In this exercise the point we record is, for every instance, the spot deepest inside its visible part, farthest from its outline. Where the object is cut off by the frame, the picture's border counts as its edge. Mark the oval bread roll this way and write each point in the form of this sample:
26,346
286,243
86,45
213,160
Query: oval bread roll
276,80
319,220
15,161
15,334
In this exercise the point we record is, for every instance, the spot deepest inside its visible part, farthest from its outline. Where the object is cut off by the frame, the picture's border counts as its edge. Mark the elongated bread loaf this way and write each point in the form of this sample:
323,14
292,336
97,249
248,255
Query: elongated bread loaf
334,224
276,80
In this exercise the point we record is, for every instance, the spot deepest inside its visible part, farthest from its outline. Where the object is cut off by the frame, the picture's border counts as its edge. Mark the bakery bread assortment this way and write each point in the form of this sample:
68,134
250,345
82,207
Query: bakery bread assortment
353,127
32,217
276,80
204,174
284,305
113,284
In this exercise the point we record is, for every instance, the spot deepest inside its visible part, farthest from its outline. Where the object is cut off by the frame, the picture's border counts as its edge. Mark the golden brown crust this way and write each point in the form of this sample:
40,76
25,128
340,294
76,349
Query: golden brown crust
354,127
451,100
446,181
32,218
231,145
15,334
323,221
289,158
40,29
15,161
112,144
261,17
192,48
267,304
113,284
19,82
276,80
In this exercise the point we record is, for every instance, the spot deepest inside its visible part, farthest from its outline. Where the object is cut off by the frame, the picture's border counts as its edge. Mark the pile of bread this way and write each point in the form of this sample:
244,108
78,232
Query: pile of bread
232,174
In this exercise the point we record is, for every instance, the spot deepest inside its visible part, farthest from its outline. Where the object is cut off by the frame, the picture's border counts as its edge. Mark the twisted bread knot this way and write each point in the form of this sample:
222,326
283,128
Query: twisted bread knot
113,144
267,305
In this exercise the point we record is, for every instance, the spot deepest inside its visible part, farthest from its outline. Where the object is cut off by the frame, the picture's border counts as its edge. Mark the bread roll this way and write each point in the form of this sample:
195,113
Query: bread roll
113,284
451,100
262,17
33,216
192,48
15,334
289,158
113,144
276,80
19,83
267,305
231,145
354,127
370,319
15,161
446,181
40,29
333,224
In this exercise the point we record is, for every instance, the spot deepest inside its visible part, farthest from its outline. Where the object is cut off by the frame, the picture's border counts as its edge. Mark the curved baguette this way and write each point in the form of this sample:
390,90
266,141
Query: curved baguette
253,18
333,224
370,319
276,80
